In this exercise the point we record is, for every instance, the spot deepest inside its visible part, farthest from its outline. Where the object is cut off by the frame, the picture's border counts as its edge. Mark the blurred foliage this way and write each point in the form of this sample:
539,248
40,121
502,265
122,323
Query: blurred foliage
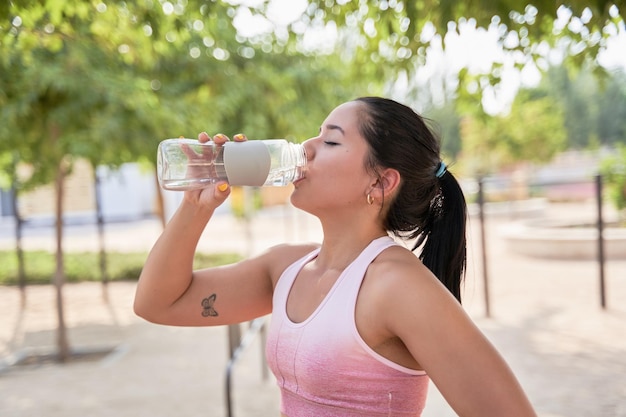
532,131
384,37
393,25
567,110
85,266
107,80
446,124
594,108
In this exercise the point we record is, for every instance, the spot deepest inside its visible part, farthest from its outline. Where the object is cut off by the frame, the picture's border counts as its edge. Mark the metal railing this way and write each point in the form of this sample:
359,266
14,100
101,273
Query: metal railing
256,326
601,255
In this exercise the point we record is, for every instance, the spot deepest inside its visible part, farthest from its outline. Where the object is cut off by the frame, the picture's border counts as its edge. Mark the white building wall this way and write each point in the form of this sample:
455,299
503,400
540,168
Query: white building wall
128,192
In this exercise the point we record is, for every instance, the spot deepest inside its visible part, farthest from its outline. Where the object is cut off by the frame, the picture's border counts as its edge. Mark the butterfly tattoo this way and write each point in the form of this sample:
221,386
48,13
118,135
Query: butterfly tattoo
207,305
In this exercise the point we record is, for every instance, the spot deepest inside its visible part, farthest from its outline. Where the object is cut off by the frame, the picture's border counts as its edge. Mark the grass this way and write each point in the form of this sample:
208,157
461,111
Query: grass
85,266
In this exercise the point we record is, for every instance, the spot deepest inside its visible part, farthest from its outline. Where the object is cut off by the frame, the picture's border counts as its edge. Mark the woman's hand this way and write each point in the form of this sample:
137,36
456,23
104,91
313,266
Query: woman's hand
215,194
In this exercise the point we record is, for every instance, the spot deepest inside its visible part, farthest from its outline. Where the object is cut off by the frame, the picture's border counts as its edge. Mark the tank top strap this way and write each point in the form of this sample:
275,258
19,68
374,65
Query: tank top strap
356,269
283,286
359,266
374,249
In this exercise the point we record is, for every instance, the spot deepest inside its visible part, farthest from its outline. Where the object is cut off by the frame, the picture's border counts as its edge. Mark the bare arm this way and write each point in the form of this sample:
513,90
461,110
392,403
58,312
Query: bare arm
170,292
467,369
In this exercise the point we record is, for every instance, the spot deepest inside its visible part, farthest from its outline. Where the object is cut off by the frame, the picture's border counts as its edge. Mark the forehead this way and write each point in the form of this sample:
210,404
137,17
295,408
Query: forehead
345,115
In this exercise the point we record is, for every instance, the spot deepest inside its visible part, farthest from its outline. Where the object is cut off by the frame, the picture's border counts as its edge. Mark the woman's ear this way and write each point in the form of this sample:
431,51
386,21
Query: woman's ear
386,185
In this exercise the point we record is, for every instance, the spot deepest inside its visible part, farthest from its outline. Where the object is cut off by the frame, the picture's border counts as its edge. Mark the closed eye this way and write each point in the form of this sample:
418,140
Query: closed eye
331,143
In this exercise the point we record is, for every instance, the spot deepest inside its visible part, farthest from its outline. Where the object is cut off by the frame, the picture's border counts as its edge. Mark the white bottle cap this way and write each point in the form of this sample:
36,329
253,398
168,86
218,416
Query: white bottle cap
247,163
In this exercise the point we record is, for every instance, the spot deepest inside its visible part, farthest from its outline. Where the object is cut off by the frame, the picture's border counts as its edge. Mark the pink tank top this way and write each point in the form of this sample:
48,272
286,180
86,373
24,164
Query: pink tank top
322,365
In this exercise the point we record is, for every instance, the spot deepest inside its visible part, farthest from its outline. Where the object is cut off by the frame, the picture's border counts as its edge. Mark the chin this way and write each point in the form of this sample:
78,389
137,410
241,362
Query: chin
293,199
296,199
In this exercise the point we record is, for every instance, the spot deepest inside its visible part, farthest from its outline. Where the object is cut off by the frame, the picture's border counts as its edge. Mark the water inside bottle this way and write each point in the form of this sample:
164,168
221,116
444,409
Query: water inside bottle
186,184
283,177
186,171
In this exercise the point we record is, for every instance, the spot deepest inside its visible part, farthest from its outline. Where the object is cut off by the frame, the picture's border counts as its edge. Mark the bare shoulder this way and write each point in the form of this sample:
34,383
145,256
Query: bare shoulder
402,299
406,301
398,278
396,268
279,257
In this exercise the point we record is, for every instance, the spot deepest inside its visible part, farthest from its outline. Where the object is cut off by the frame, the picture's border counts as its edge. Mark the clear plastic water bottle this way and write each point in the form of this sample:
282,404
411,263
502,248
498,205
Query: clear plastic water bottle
186,164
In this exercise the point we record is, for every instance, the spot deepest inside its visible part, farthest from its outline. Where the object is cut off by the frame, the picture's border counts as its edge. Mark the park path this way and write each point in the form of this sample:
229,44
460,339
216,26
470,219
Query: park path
568,353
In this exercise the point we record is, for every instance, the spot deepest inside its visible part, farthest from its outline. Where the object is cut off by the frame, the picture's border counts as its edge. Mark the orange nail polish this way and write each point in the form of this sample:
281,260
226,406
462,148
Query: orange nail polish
222,187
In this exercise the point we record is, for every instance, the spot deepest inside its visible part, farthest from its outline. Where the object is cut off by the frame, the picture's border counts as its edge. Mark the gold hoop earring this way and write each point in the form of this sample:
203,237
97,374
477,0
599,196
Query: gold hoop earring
370,200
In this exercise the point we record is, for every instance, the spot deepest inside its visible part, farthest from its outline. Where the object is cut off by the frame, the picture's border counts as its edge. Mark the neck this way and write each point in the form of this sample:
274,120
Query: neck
341,246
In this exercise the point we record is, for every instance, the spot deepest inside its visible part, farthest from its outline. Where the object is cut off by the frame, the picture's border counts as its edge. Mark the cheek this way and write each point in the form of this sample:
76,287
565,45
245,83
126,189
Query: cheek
347,161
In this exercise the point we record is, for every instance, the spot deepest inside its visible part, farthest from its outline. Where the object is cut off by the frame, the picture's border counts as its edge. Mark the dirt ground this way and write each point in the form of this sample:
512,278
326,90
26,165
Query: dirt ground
568,353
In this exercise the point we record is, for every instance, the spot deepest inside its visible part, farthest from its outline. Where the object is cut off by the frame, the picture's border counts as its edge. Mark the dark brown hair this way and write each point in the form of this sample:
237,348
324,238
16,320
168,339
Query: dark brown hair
428,208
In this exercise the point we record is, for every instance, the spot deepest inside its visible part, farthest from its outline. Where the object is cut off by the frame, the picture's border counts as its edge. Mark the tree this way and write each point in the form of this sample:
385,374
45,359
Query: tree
58,80
75,83
594,108
385,38
106,81
532,131
535,130
611,121
577,94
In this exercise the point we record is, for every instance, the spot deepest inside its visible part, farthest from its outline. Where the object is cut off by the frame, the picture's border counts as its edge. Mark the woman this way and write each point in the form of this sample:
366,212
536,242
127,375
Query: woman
359,323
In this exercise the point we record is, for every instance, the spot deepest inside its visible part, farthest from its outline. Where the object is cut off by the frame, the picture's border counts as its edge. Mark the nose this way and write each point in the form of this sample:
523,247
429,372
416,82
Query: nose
309,148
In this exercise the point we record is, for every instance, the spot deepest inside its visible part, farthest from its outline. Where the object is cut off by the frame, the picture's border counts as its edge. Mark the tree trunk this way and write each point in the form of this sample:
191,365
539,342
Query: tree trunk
59,275
19,252
100,221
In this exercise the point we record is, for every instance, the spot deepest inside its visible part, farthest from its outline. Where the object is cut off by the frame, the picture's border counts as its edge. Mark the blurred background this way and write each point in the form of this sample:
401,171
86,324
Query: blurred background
529,101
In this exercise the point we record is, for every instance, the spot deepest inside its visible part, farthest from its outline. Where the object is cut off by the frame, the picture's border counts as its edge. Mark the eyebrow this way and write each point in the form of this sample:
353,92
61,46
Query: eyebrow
335,127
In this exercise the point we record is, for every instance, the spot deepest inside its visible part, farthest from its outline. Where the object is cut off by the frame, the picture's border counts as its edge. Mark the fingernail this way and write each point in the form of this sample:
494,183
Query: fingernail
238,136
222,187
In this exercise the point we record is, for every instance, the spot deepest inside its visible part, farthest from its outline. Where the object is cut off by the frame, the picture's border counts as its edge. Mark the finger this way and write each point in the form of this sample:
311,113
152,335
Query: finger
188,150
190,153
221,192
220,139
240,137
223,187
203,137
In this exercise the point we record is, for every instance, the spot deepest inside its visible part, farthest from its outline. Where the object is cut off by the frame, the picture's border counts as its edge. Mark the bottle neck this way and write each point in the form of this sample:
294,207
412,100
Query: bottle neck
299,154
299,161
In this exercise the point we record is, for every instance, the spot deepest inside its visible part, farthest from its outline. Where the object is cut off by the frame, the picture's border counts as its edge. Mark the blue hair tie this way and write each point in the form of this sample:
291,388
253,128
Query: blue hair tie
441,169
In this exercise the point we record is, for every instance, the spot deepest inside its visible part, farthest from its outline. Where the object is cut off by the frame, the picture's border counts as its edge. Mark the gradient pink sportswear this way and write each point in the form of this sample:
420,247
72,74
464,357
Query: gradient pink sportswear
322,365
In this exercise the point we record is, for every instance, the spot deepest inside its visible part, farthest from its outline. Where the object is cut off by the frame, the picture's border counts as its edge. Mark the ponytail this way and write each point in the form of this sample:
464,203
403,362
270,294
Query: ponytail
429,207
443,235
